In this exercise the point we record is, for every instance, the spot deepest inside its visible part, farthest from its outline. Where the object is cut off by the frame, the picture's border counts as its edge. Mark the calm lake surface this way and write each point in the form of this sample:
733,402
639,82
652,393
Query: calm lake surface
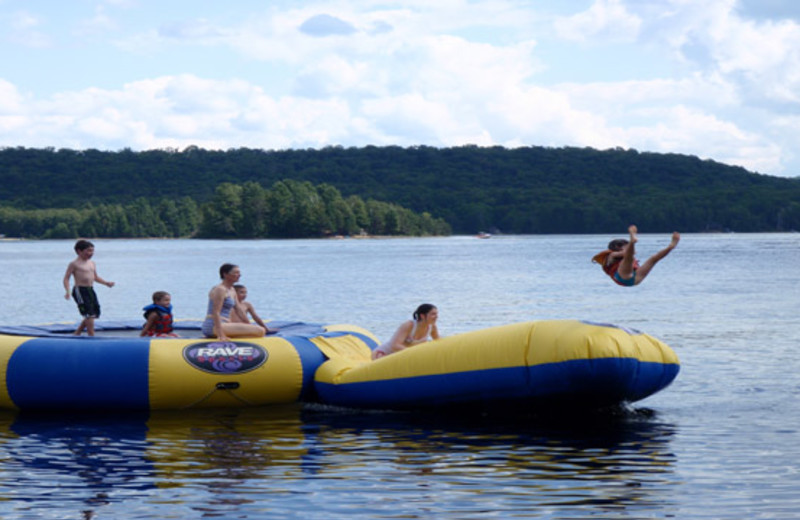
721,442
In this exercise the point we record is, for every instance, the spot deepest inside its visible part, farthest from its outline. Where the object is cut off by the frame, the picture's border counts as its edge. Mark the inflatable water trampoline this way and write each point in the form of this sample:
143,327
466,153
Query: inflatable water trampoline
520,366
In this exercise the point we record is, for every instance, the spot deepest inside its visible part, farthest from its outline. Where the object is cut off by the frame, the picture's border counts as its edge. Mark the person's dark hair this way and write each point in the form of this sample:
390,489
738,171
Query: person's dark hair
158,295
422,310
225,269
80,245
617,244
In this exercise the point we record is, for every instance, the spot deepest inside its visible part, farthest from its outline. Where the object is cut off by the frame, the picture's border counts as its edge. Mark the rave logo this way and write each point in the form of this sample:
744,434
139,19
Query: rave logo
225,357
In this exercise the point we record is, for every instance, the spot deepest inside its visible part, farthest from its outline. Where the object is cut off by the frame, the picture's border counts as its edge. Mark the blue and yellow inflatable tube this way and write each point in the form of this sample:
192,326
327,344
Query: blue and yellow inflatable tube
541,363
546,363
57,371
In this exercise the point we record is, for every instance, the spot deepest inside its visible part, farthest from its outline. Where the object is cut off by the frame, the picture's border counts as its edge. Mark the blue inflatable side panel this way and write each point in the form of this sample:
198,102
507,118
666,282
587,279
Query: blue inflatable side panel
428,391
588,382
604,380
53,373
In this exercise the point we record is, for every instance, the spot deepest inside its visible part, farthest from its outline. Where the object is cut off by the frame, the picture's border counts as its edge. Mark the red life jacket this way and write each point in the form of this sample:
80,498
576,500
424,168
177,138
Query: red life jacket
162,325
612,268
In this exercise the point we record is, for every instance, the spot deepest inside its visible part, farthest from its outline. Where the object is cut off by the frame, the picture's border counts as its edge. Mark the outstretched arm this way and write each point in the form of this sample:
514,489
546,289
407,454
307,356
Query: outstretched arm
629,254
101,280
256,317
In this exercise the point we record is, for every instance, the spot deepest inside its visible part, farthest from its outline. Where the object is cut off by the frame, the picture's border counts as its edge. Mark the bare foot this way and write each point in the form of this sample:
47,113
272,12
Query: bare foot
676,237
633,230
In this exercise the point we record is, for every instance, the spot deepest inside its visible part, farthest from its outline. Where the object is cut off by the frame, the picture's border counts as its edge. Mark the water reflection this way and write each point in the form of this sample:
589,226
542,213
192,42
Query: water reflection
50,459
611,460
317,462
224,456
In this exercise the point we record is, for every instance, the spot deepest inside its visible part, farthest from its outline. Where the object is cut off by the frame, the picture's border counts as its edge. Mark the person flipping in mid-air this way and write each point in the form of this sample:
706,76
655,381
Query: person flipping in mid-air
619,260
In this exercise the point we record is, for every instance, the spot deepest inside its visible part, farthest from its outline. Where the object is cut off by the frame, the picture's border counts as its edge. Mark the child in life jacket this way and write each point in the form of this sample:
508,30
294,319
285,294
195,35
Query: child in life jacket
159,316
619,261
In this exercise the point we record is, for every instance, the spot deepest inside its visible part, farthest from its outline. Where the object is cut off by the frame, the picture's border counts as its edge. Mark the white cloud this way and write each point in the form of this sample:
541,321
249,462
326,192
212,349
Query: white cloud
766,53
606,20
179,111
145,43
410,114
11,100
763,57
627,97
101,22
25,30
678,116
333,75
12,109
682,127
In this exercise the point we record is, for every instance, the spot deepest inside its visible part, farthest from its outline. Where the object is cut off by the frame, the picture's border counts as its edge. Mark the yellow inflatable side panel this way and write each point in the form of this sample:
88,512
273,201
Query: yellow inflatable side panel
343,352
206,373
333,371
8,344
554,341
498,347
344,347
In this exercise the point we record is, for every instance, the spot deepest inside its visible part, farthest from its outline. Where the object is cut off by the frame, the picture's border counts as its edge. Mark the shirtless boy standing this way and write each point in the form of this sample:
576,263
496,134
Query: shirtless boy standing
85,273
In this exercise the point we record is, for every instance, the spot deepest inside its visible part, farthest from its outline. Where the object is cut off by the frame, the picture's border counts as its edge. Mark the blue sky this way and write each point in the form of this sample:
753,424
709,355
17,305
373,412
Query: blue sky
719,79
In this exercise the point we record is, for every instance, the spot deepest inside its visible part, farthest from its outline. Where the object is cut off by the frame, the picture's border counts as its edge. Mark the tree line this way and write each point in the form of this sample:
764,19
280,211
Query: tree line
290,209
520,190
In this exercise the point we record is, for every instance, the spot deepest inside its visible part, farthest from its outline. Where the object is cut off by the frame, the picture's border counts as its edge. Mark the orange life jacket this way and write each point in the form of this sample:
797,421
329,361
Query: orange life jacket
612,268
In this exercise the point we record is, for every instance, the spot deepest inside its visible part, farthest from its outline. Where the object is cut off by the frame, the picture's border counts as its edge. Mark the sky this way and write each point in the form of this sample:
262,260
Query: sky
719,79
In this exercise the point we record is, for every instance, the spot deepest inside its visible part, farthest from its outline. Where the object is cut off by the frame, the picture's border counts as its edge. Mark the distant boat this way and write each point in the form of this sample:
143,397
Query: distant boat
483,234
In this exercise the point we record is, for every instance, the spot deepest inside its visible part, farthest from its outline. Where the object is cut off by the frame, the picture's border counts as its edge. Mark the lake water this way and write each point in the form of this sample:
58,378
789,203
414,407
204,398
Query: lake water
721,442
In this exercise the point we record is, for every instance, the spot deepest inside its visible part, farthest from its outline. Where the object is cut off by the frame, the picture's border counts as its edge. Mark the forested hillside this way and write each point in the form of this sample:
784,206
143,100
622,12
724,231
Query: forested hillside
291,209
520,190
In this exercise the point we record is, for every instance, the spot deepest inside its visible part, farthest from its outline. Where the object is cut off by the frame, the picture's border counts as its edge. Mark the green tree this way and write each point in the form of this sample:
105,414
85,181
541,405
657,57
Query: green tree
222,217
255,211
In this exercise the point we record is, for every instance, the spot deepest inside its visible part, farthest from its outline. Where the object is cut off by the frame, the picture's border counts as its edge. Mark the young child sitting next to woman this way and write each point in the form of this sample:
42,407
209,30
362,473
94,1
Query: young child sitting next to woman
159,316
